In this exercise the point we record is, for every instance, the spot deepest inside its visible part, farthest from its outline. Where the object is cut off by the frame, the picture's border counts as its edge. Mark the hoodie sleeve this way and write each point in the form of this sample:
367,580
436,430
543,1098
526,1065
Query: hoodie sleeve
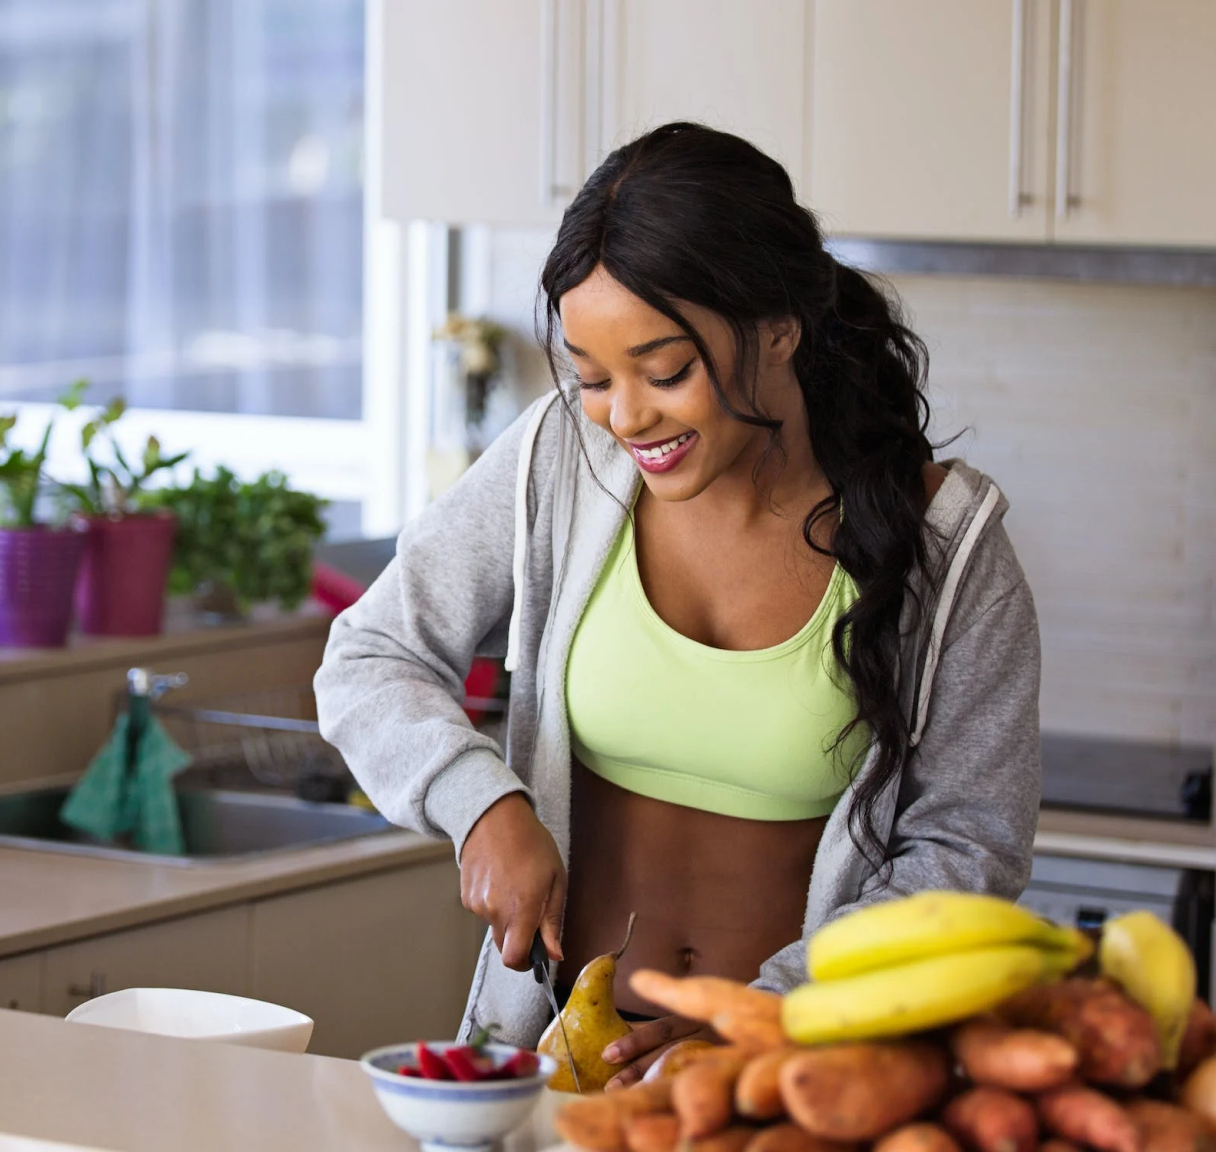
391,683
968,799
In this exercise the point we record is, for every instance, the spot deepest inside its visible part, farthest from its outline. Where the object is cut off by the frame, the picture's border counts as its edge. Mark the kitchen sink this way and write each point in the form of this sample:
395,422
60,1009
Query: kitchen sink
218,826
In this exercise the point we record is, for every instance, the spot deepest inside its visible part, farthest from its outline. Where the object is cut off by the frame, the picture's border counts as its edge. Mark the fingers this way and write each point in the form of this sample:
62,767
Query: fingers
626,1077
551,919
647,1038
517,939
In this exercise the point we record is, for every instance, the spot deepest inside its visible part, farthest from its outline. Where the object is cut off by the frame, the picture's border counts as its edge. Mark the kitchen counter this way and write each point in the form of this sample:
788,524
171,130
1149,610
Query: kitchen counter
1131,839
129,1092
50,898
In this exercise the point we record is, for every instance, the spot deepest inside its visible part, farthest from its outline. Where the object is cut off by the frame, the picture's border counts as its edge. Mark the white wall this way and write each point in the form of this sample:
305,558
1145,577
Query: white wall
1094,408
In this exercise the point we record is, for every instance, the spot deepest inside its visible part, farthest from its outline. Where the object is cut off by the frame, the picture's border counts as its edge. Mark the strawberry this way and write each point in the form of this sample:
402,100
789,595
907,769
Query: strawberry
469,1063
521,1065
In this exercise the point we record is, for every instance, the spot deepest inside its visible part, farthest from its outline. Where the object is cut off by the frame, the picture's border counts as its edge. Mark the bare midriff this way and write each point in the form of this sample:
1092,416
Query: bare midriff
714,895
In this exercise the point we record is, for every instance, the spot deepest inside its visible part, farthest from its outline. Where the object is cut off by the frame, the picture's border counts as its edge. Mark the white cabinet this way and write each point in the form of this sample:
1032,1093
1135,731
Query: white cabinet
208,951
1075,121
477,108
730,65
21,983
375,960
1138,127
496,111
929,118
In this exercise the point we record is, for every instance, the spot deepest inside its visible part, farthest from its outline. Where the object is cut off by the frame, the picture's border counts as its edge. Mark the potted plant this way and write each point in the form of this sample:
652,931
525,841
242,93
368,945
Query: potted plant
39,561
129,542
239,544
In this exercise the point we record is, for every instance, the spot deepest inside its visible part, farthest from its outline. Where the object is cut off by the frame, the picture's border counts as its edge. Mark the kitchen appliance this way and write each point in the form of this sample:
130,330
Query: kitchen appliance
1128,778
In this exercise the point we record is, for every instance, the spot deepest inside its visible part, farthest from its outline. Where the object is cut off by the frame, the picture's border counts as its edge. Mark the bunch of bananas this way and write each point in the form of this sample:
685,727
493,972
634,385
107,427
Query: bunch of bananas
921,962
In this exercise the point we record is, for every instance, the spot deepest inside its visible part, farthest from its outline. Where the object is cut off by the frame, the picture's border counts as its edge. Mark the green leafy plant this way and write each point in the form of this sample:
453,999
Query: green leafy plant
115,486
255,539
22,473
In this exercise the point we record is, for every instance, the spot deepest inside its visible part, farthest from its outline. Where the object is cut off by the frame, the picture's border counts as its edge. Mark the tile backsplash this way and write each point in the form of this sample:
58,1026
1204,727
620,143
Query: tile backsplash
1093,406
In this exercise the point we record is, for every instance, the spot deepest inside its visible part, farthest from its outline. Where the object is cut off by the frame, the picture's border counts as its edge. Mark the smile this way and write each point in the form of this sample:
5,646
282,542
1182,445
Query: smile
664,456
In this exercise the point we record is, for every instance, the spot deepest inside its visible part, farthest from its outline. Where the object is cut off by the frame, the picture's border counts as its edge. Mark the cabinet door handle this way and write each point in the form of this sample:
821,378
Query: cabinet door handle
550,191
1017,110
1065,200
95,987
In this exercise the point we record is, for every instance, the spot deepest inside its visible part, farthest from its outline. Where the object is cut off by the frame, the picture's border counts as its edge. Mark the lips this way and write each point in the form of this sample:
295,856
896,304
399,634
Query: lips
663,455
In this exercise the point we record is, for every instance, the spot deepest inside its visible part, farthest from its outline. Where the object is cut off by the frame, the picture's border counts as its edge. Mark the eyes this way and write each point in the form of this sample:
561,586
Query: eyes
668,382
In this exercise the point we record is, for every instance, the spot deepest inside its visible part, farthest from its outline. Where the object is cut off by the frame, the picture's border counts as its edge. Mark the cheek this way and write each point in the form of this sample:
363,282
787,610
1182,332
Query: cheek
595,407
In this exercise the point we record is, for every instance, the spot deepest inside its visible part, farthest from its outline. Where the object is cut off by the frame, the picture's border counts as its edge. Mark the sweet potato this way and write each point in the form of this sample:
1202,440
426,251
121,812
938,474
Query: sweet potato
703,1096
758,1089
677,1058
1083,1116
791,1138
598,1122
1199,1091
1199,1039
704,997
1168,1128
733,1139
860,1091
657,1132
1116,1040
919,1137
1020,1059
748,1030
991,1120
1055,1144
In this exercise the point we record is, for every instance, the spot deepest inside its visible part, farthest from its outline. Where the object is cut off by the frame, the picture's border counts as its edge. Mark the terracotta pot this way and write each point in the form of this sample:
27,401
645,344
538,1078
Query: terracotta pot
38,568
121,590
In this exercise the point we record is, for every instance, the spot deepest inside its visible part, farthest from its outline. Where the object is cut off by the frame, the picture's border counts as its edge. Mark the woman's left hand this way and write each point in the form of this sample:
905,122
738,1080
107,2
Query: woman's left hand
647,1042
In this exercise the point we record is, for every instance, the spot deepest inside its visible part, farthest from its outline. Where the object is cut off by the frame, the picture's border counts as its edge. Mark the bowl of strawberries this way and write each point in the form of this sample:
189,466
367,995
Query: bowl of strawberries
457,1096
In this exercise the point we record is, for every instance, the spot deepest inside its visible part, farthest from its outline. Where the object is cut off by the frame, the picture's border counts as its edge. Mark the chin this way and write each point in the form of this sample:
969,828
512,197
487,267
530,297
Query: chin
673,488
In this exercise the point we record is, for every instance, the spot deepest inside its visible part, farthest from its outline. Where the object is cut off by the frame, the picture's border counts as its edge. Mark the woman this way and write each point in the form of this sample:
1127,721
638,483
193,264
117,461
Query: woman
770,662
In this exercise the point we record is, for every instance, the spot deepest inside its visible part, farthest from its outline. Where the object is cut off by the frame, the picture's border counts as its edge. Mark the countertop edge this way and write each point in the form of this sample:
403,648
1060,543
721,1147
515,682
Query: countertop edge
307,868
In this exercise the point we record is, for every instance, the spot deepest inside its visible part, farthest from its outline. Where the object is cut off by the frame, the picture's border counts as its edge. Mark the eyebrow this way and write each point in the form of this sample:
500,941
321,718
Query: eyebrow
637,350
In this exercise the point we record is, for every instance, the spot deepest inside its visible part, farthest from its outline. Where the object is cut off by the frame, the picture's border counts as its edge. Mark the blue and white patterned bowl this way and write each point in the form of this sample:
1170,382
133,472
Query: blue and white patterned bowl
449,1115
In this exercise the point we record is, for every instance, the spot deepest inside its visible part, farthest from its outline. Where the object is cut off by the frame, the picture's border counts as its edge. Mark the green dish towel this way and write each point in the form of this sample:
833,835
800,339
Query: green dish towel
106,803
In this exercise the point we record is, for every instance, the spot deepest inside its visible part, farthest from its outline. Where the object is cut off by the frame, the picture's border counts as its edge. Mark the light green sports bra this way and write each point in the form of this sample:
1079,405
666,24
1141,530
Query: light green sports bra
745,734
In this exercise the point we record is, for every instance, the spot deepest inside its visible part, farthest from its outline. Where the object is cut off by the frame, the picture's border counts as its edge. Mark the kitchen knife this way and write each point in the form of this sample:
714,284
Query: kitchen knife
540,969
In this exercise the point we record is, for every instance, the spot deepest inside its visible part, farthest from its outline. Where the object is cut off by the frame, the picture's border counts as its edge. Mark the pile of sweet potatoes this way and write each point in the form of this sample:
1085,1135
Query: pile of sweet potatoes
1065,1066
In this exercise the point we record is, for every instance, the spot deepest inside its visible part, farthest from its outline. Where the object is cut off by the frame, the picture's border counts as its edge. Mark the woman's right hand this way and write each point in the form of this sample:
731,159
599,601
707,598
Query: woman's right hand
512,876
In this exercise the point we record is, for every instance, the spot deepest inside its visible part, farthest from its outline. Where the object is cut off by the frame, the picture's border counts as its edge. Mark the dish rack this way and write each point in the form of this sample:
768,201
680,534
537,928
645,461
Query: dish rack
272,734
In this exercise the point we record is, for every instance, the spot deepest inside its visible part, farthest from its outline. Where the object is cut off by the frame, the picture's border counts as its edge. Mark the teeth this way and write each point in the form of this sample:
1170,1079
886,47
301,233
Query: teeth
661,450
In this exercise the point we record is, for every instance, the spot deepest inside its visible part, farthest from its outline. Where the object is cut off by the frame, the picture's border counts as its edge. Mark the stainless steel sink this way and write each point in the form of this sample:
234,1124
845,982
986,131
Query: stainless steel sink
218,826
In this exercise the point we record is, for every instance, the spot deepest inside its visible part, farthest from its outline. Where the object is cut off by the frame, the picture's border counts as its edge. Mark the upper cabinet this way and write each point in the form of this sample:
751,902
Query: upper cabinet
1079,121
1137,141
476,108
1076,121
496,111
726,64
929,118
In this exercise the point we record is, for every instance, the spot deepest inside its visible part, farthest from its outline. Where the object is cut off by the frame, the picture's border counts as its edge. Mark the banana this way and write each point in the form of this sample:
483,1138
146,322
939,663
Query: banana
921,994
1153,965
928,924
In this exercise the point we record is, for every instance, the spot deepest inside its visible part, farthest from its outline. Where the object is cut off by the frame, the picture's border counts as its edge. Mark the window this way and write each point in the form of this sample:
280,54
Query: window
181,223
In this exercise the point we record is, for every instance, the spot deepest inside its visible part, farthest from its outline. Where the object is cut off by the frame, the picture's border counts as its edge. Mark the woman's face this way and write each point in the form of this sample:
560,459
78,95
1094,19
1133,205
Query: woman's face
643,381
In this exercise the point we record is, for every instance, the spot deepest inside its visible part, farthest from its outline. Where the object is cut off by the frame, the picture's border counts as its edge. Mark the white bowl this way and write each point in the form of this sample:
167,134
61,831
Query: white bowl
444,1115
199,1016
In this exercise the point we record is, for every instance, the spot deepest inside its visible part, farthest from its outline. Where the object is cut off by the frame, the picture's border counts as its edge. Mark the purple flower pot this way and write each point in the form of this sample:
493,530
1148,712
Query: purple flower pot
38,568
121,590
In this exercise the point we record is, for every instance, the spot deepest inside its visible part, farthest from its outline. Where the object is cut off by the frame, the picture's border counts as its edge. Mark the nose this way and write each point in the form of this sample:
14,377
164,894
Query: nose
632,411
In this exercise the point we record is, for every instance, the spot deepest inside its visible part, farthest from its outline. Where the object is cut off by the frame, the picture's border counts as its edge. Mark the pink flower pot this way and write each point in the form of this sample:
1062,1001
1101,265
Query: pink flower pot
121,590
38,568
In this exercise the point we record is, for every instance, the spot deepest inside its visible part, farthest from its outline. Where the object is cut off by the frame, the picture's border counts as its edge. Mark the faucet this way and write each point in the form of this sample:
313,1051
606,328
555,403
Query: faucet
143,687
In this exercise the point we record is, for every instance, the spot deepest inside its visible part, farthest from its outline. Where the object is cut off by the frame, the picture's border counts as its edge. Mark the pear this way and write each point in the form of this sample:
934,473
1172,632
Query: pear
592,1023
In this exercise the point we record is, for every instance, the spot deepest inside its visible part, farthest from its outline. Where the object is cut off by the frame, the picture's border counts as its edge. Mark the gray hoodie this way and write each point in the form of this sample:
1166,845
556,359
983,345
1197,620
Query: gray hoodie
503,564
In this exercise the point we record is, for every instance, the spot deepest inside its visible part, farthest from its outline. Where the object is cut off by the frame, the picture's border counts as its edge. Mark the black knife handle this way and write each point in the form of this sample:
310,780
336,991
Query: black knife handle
539,956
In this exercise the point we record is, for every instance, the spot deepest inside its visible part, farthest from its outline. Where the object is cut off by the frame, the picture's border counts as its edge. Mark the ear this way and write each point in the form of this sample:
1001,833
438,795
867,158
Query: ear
779,339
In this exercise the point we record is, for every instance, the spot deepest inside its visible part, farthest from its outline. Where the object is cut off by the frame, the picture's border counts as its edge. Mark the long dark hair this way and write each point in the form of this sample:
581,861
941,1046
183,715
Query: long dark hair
688,213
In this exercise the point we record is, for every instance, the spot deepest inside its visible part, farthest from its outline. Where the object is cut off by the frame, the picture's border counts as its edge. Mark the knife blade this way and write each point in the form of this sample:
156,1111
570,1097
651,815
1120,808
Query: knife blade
539,955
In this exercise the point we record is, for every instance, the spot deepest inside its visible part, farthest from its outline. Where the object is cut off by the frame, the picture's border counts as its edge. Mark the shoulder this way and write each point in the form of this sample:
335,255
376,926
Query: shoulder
934,476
